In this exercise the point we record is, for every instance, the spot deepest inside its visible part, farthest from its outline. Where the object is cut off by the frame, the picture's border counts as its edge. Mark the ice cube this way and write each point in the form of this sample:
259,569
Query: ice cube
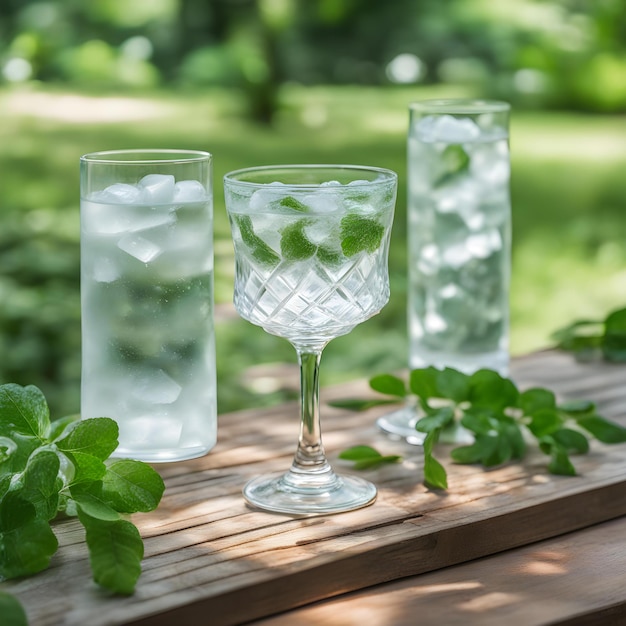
456,255
265,196
428,261
482,245
358,182
157,188
118,193
189,191
155,387
322,230
447,129
322,201
139,247
105,271
489,163
104,219
332,183
434,323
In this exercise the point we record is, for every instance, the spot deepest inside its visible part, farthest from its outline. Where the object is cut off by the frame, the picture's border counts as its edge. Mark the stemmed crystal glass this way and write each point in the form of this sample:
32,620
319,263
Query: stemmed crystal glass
311,247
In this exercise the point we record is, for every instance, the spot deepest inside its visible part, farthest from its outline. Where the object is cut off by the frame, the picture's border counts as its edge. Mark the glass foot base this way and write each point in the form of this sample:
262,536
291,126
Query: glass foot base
274,493
401,424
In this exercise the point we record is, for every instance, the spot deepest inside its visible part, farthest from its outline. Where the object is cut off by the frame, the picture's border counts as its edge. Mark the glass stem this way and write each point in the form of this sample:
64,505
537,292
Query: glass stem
310,458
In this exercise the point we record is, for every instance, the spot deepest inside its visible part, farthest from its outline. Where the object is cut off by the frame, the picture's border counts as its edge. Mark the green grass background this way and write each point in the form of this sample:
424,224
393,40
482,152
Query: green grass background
569,226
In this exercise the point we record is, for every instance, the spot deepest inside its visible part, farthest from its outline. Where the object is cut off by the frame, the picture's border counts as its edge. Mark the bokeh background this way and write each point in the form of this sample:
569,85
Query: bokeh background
275,81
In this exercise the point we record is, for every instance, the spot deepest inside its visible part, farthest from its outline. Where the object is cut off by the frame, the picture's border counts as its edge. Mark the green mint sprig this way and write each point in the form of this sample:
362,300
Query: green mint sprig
595,338
63,466
499,416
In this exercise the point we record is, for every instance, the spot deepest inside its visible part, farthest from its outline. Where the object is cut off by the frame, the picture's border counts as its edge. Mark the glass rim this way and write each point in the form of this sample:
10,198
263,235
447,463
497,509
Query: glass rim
387,175
146,156
460,106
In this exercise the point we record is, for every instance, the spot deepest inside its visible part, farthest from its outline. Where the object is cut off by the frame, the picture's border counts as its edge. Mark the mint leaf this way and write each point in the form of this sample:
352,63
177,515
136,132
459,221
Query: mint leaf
95,508
12,611
388,384
560,462
602,429
435,476
454,161
329,257
41,484
115,552
95,437
132,486
24,411
355,404
490,390
360,234
366,457
436,420
58,426
577,408
535,399
293,203
571,440
294,245
259,250
26,543
452,384
544,422
614,339
423,382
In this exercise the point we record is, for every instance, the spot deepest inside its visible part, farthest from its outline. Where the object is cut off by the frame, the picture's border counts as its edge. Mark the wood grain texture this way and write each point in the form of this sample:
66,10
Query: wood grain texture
577,578
210,558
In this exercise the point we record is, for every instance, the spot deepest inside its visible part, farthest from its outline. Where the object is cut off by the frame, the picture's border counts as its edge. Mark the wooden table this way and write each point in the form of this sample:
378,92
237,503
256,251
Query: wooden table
512,544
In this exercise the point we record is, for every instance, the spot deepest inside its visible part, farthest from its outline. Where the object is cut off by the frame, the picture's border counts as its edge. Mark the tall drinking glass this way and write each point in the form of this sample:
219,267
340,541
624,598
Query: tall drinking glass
148,342
459,241
311,248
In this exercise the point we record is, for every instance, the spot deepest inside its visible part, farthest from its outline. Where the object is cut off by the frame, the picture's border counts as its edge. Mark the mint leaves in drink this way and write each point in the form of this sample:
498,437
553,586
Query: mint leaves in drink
48,468
454,161
499,416
259,250
595,338
359,233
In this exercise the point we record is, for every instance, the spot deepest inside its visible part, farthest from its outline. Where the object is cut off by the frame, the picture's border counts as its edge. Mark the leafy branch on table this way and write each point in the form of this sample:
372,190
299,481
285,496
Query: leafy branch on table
63,467
587,339
496,413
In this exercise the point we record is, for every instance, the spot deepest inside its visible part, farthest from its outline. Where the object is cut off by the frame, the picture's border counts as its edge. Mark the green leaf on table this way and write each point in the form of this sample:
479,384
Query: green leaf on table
535,399
24,411
294,244
355,404
389,385
577,408
482,450
438,419
435,475
359,233
95,437
12,611
453,385
571,440
132,486
26,542
491,391
560,463
366,457
602,429
41,483
95,507
115,552
423,382
614,339
544,421
58,426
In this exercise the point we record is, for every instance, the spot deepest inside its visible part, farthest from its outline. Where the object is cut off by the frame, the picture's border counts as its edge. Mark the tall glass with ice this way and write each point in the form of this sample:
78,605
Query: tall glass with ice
311,247
459,240
148,341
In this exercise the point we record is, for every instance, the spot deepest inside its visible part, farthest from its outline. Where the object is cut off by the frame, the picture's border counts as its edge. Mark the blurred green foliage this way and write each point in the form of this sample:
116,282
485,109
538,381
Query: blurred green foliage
569,199
535,53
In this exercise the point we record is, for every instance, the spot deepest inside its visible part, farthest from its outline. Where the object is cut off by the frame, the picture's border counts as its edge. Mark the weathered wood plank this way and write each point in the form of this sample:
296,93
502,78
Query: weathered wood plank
575,578
210,556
